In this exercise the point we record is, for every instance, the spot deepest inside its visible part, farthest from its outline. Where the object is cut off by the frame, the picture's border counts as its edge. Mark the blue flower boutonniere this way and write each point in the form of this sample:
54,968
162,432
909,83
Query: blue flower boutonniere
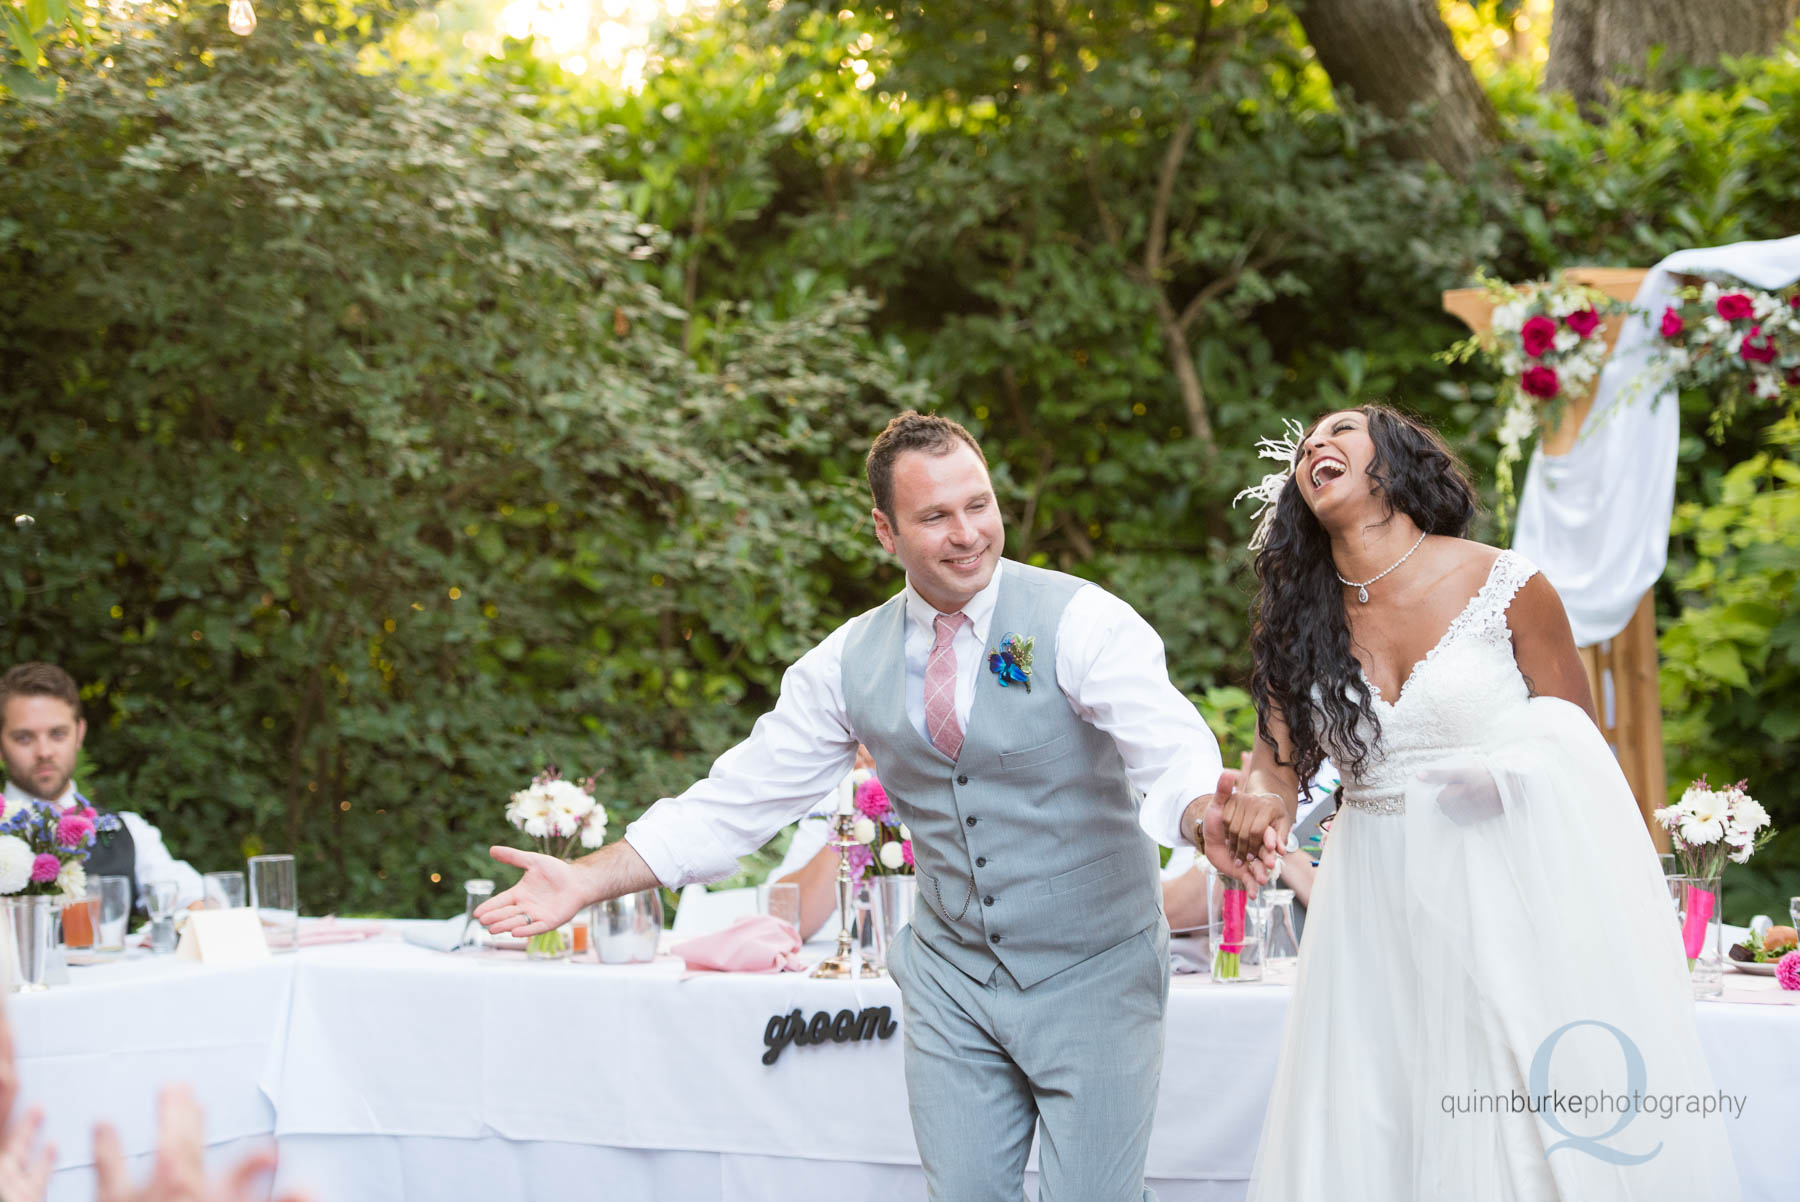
1011,662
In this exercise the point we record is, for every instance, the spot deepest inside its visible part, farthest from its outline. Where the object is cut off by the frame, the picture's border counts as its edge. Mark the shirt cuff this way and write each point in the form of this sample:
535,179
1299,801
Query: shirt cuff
1160,814
678,852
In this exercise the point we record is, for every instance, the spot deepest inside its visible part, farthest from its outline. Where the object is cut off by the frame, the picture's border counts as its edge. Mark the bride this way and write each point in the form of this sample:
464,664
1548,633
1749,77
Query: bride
1492,1001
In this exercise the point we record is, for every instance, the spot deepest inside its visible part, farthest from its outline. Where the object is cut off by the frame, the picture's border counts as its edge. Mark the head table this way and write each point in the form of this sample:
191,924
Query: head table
385,1071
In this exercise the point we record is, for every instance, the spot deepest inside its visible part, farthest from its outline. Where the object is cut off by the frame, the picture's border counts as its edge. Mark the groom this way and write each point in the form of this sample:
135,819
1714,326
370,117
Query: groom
1035,971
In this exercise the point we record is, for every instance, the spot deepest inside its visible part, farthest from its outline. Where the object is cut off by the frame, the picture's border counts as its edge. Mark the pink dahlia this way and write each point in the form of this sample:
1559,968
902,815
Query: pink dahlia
1787,970
1537,335
906,852
872,799
45,868
1672,323
72,830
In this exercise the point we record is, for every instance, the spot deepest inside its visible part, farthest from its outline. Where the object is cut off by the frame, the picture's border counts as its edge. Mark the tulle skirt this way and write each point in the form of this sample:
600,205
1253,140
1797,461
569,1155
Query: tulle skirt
1487,982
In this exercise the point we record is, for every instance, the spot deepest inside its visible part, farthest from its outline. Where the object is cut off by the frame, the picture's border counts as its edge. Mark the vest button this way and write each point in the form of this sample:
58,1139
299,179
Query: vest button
981,861
970,820
962,780
993,939
988,900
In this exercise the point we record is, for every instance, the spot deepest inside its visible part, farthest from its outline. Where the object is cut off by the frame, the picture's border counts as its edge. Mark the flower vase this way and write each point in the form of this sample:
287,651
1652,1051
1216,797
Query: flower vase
552,945
899,893
1236,939
28,929
1701,906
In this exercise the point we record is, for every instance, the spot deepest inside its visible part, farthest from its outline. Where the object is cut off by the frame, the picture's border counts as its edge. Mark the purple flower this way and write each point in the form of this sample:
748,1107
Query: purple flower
860,858
45,868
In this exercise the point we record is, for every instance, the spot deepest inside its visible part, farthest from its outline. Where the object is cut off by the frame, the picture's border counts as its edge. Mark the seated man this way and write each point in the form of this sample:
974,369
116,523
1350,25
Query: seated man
41,729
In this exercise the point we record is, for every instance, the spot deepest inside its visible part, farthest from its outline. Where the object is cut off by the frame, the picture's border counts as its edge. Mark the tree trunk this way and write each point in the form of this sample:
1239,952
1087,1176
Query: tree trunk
1396,54
1593,42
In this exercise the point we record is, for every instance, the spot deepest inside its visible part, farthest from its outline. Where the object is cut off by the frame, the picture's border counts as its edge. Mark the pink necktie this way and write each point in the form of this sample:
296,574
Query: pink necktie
940,687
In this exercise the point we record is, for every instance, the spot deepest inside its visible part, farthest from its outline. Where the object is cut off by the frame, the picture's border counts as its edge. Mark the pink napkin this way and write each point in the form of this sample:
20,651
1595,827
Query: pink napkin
321,931
754,944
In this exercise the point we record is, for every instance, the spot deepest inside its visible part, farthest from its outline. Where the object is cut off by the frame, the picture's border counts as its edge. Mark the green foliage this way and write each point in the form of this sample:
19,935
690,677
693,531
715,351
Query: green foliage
367,472
293,344
1731,658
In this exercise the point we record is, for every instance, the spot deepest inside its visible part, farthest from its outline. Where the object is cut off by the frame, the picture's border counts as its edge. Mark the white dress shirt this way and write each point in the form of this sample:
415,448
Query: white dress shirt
154,861
1109,665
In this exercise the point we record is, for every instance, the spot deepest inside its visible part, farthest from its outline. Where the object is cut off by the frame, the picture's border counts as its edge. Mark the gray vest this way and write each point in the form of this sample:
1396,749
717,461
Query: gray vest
1027,847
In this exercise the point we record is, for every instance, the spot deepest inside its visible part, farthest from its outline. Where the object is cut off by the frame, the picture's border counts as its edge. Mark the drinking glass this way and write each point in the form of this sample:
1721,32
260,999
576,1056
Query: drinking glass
277,901
224,890
1670,866
475,937
115,912
782,900
1794,912
161,896
1281,946
79,917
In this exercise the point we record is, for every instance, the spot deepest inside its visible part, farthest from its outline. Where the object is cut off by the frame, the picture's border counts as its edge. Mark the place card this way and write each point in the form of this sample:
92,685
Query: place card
232,936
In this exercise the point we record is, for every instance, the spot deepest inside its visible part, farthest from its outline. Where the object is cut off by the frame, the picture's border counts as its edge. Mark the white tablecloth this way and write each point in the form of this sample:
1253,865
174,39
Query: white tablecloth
389,1072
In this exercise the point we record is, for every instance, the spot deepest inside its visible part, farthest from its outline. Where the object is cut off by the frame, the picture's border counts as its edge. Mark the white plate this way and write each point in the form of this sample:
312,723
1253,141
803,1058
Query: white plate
1755,970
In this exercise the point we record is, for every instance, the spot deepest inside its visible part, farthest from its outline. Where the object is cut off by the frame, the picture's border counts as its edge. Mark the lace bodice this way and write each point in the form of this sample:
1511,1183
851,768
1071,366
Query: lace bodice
1464,683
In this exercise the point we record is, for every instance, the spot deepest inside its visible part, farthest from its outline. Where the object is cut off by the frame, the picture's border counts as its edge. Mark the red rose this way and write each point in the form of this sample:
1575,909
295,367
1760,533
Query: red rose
1540,382
1793,377
1734,306
1754,353
1538,333
1672,323
1584,322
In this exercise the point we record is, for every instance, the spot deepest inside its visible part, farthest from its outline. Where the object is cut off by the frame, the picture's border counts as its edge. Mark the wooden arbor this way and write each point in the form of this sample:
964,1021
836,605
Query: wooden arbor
1622,671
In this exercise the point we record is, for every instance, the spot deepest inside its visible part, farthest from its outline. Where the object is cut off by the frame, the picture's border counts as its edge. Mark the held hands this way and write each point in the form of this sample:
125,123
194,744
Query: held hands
1245,832
548,895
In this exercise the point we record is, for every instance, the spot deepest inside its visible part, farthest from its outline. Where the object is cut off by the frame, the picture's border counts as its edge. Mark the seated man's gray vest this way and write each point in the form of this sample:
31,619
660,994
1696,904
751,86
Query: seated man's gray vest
1028,848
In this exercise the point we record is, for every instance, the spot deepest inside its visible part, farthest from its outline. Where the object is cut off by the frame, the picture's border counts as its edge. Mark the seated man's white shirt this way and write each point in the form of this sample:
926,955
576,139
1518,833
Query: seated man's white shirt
154,860
1109,665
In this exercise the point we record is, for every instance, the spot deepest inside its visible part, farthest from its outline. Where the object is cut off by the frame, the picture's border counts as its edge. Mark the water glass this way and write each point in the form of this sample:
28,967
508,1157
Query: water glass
275,896
115,912
782,900
475,937
1281,946
224,890
160,897
1794,912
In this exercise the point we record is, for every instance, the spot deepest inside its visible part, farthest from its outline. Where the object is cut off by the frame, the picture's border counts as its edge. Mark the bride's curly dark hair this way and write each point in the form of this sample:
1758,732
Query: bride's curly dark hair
1300,640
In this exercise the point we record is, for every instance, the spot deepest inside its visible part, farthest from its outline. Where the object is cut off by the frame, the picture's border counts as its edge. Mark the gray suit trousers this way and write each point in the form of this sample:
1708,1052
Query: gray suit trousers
1078,1056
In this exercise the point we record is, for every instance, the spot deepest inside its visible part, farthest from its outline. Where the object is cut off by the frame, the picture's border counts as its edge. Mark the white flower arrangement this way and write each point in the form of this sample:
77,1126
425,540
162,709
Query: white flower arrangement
1709,826
558,813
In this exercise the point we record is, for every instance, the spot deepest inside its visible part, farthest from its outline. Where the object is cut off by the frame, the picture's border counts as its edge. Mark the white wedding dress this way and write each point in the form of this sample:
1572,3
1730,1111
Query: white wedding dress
1488,882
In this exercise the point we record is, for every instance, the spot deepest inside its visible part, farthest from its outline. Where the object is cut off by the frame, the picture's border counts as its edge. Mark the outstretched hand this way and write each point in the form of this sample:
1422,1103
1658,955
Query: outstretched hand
549,894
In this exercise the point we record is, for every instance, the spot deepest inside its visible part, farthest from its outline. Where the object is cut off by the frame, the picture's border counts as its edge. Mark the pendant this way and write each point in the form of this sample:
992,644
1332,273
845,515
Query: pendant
1362,594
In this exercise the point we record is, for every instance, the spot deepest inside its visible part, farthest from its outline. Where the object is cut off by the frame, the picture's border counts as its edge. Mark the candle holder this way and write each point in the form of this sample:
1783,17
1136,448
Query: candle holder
847,961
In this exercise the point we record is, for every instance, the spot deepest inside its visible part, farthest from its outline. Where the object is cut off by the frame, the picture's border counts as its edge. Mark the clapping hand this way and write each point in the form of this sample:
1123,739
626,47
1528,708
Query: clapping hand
548,895
24,1168
179,1174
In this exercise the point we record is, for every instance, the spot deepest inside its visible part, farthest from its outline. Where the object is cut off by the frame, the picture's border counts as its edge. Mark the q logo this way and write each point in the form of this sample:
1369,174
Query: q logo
1634,1086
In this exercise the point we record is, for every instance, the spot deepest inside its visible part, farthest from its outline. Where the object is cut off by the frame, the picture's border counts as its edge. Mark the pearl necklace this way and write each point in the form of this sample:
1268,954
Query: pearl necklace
1362,589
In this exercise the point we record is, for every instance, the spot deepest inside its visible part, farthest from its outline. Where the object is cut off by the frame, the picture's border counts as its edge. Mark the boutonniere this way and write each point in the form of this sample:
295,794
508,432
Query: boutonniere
1011,662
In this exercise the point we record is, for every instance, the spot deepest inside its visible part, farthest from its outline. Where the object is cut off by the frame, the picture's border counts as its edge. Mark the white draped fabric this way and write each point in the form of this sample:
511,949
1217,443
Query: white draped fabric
1596,520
